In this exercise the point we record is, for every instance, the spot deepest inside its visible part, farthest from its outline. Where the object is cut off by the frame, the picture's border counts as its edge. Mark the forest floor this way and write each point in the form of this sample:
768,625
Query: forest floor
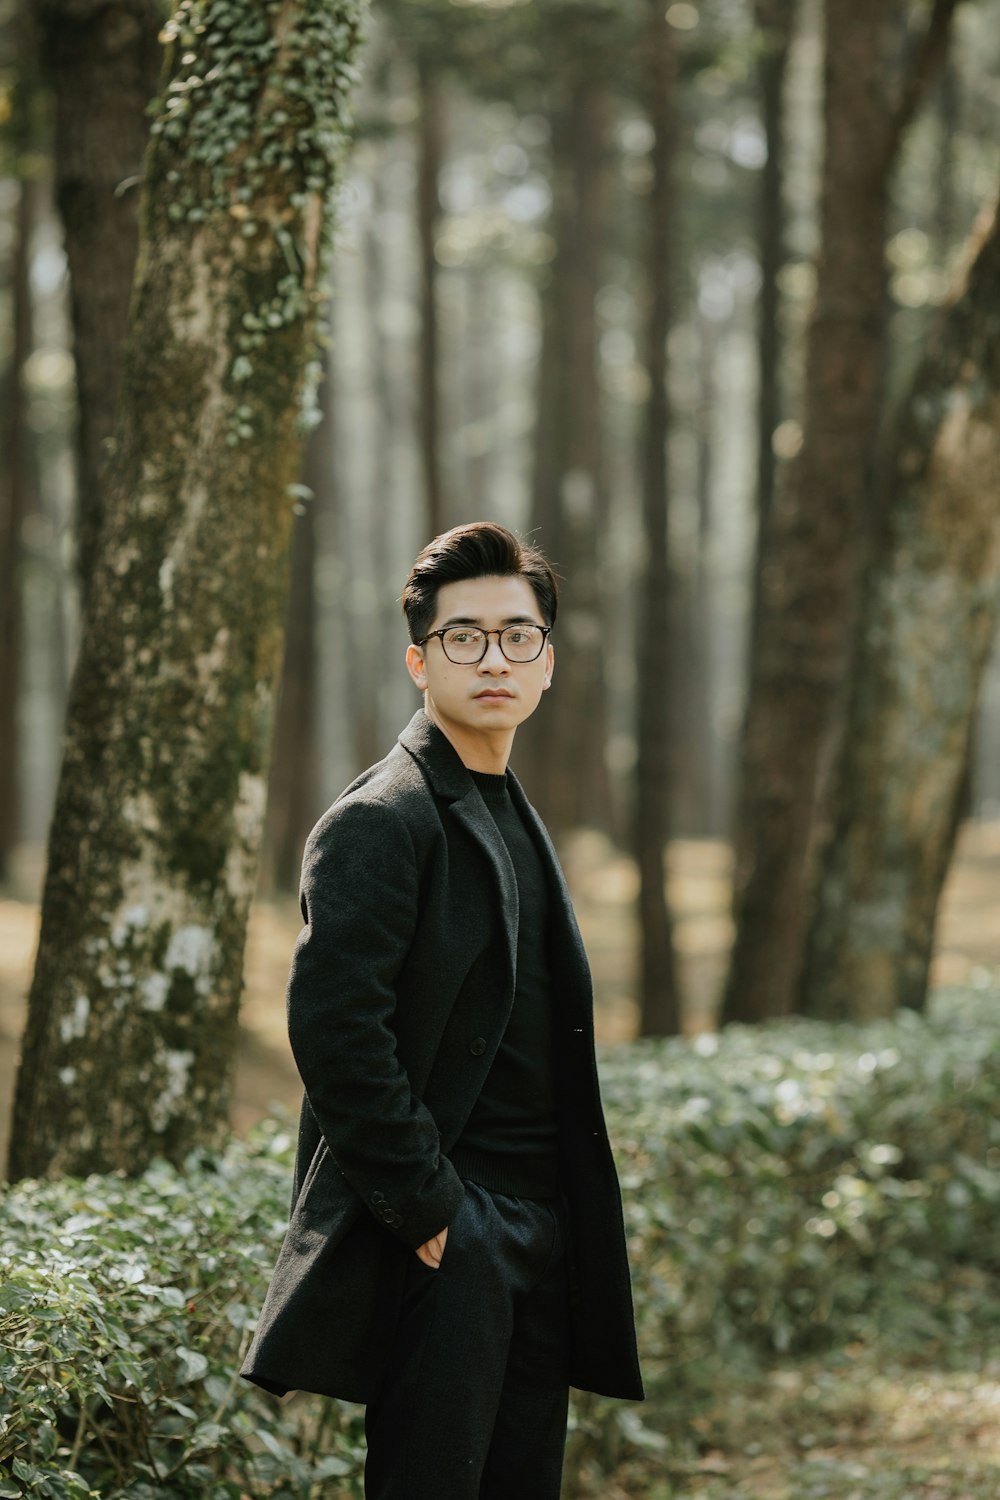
860,1423
873,1421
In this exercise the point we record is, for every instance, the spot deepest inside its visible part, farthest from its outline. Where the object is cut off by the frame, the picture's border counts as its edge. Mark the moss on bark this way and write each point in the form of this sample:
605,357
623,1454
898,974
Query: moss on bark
153,849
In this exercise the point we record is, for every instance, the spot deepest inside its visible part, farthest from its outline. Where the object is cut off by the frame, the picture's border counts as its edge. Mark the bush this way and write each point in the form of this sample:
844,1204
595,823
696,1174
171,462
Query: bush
785,1183
801,1185
784,1186
125,1310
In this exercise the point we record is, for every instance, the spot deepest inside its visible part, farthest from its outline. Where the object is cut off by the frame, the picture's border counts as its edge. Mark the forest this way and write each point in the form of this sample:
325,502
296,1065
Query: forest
702,298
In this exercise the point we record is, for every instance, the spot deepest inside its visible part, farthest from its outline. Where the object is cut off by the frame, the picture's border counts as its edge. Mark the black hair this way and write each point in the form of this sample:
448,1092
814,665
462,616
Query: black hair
479,549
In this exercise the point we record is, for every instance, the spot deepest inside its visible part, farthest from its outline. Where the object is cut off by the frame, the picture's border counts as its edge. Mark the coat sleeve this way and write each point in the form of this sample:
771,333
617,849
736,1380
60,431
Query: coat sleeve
359,902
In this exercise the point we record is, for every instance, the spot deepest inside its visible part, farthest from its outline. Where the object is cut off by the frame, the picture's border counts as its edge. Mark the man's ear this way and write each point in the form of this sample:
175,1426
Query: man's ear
416,666
549,665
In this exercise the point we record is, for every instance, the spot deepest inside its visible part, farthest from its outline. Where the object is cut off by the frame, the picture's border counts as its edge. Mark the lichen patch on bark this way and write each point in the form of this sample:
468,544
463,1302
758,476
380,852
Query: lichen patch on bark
159,811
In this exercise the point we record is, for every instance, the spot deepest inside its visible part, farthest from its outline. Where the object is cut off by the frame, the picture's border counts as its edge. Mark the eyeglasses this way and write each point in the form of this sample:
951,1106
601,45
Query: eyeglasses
466,644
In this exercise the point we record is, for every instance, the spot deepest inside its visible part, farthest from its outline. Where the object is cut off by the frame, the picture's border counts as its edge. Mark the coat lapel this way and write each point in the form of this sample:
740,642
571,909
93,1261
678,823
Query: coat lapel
569,956
450,779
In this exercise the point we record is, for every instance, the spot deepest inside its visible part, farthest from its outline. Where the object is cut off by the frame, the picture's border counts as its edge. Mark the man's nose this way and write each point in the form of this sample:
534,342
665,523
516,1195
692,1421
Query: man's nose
494,657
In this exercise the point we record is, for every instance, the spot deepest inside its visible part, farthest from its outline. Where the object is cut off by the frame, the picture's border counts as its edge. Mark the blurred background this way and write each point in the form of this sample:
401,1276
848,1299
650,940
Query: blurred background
535,193
704,298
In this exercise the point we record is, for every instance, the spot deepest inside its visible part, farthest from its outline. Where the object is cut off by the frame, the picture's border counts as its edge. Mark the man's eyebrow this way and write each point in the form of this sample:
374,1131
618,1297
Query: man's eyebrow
477,620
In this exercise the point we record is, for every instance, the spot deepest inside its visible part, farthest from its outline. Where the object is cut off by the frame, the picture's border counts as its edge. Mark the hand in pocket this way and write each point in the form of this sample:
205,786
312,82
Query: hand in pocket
432,1250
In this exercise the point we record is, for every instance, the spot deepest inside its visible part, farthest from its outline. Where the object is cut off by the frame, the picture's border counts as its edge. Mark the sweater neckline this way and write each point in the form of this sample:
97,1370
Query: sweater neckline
492,788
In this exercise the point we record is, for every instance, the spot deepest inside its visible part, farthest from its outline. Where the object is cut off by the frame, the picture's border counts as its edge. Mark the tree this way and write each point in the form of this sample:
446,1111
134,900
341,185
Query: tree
775,20
928,624
102,60
658,998
812,546
293,780
17,479
570,492
431,125
153,848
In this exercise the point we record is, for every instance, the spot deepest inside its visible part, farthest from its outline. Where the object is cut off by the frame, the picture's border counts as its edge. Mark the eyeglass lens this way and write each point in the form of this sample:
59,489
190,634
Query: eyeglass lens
517,642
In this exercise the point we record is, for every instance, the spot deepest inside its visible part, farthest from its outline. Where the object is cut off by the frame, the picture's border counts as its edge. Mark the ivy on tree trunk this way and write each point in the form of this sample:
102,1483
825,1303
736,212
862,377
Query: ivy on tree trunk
153,848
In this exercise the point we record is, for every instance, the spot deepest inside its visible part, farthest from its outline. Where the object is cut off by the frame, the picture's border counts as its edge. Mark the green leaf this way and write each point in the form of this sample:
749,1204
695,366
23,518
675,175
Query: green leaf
271,1444
194,1364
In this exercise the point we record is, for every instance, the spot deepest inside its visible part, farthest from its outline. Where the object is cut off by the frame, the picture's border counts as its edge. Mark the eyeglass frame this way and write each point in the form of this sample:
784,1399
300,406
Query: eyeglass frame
526,661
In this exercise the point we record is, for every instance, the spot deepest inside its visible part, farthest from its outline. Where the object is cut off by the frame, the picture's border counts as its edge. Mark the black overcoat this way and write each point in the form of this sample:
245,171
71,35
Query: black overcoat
401,984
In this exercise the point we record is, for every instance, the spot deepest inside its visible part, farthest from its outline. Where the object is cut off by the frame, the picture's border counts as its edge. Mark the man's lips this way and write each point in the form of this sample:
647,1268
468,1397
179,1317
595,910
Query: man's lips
494,693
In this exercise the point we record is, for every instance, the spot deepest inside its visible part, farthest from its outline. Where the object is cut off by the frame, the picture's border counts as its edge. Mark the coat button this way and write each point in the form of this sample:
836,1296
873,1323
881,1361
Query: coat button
477,1046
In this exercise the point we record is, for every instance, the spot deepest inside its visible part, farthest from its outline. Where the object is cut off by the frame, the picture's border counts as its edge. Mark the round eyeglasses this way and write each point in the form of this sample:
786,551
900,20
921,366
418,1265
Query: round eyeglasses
467,644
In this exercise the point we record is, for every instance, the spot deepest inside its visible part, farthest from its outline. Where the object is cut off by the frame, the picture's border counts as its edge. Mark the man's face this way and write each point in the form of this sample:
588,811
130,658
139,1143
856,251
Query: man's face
494,695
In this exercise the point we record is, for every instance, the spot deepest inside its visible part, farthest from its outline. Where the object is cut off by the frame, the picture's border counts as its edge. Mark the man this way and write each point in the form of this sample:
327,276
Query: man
455,1257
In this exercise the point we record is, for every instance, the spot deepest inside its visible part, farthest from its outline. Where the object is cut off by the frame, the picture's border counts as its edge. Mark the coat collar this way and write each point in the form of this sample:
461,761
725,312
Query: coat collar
449,778
437,755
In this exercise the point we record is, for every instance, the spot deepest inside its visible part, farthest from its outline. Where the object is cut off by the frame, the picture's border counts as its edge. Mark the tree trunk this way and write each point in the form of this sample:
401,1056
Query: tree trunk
776,20
812,549
570,482
293,783
382,641
15,503
925,637
431,151
692,691
658,997
154,842
948,125
103,60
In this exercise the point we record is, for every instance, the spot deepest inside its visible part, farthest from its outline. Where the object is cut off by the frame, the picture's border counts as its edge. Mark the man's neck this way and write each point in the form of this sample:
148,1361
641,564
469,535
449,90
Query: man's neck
489,753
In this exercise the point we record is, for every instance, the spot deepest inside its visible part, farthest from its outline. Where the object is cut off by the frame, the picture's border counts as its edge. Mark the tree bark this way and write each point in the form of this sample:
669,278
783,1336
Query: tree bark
658,996
103,61
812,547
375,732
431,151
948,118
693,617
570,481
15,504
925,636
293,783
775,20
154,842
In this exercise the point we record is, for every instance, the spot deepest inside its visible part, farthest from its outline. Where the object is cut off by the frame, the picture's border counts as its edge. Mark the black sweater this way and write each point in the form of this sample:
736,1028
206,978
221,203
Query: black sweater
509,1143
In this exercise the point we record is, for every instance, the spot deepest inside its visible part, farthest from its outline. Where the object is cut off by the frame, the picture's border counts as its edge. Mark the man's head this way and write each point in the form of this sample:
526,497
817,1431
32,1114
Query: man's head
480,549
479,605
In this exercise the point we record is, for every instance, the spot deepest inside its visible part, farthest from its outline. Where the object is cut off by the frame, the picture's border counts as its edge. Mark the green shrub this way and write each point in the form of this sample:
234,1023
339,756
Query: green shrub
125,1308
787,1186
782,1181
800,1185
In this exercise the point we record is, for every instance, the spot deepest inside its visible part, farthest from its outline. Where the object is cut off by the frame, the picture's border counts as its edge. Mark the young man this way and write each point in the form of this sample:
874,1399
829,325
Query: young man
455,1257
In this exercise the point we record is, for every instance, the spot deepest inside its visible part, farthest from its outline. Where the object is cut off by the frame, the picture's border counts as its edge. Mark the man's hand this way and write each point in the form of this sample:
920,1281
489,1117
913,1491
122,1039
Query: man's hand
431,1252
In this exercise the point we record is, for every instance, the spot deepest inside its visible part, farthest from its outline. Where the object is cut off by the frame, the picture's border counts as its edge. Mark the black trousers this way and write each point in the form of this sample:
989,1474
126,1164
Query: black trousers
474,1403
